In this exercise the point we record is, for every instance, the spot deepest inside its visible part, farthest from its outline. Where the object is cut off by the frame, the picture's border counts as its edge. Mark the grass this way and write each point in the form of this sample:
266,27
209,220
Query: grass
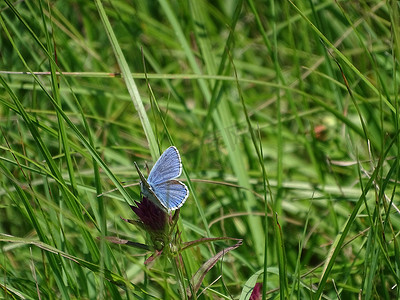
286,118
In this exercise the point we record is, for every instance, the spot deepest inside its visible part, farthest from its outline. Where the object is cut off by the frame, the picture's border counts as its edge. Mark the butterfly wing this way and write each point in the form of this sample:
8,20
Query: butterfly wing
171,194
167,167
161,186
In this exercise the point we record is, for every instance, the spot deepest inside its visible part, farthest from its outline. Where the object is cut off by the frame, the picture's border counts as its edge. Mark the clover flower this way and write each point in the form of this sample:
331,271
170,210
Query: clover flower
154,221
151,216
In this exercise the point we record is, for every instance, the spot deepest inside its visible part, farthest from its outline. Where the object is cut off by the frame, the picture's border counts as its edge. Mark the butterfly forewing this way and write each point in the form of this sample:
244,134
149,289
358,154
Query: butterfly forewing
172,194
161,186
167,167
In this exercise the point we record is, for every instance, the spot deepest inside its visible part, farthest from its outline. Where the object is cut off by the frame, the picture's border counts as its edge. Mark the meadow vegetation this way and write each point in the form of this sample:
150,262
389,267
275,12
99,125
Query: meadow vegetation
286,117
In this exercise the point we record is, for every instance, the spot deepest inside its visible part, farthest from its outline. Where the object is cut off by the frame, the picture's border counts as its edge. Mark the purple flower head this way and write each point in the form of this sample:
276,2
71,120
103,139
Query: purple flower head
156,222
151,216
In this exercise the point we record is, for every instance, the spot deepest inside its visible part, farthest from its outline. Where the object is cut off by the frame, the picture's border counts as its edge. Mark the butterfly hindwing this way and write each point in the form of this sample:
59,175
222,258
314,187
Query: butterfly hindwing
171,194
167,167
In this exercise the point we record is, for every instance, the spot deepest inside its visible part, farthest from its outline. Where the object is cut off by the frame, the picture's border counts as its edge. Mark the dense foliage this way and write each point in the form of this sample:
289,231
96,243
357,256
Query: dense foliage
286,118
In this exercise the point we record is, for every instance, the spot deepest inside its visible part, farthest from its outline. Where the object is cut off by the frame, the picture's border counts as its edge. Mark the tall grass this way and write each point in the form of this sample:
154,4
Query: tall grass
286,118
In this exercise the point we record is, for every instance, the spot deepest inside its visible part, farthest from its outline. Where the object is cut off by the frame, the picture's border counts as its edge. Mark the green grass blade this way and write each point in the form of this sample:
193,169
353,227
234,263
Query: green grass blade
130,83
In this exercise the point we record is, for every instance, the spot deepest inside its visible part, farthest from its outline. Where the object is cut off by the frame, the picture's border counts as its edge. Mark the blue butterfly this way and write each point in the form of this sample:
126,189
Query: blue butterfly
161,187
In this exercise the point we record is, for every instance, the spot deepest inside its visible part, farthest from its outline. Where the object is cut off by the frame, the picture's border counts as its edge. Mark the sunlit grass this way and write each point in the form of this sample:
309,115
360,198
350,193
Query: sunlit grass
286,118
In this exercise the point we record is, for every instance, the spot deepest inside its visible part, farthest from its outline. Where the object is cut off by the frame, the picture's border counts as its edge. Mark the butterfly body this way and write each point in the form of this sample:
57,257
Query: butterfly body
162,187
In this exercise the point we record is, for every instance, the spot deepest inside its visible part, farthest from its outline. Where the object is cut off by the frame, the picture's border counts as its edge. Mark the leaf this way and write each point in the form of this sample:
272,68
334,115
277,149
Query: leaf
198,277
251,282
117,240
149,262
249,285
